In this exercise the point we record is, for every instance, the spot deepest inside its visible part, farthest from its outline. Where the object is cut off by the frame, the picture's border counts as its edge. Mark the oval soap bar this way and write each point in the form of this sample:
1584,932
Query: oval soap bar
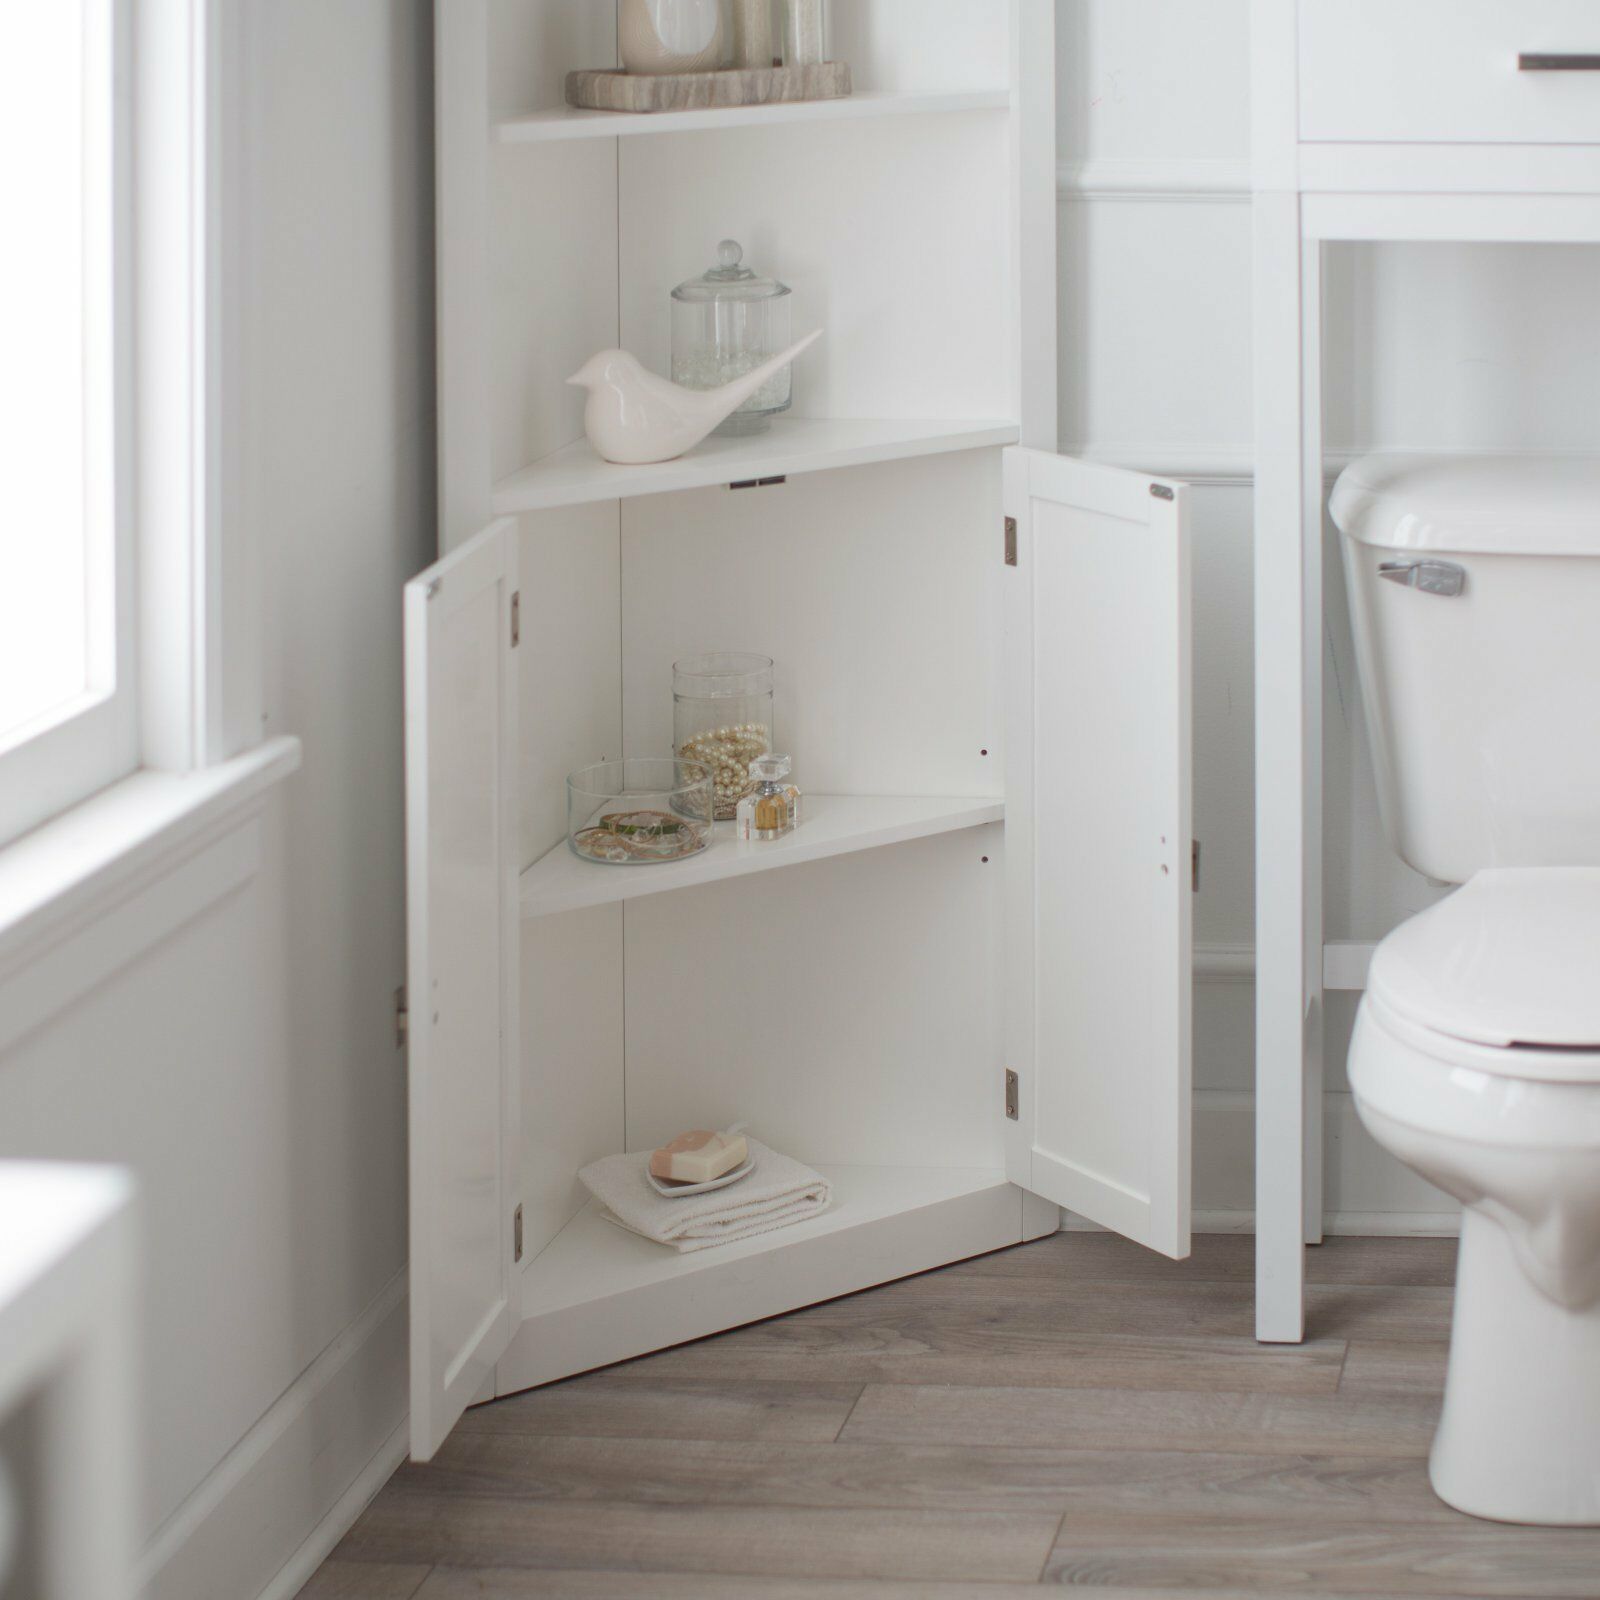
699,1156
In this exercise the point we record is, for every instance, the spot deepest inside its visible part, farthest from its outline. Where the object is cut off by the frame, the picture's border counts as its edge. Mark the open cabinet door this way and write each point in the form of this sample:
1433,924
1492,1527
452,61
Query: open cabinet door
461,973
1098,846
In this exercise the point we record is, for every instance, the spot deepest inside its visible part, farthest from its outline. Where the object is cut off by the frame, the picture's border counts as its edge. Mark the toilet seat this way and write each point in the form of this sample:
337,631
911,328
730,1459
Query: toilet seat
1503,976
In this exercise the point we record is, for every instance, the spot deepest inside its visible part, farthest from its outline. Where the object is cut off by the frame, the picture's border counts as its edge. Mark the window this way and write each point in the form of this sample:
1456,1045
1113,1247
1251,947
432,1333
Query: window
68,698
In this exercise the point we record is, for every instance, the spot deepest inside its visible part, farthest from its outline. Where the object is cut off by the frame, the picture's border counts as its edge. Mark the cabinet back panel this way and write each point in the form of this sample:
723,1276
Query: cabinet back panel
918,46
569,661
846,1010
572,1087
1435,346
534,44
894,235
874,590
552,288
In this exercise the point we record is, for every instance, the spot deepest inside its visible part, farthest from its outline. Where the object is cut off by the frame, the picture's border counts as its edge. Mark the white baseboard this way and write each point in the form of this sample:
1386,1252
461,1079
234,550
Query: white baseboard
296,1573
1352,1224
1366,1190
277,1503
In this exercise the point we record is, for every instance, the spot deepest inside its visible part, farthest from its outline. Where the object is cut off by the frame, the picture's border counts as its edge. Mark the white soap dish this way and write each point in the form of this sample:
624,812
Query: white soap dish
676,1191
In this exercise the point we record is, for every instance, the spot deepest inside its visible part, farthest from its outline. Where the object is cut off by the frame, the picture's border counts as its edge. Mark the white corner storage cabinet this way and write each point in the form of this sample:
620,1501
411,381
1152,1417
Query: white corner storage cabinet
1374,122
961,988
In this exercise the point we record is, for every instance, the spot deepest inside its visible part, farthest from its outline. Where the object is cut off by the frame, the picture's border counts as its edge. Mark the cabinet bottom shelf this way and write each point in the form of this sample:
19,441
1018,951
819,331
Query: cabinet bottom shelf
598,1294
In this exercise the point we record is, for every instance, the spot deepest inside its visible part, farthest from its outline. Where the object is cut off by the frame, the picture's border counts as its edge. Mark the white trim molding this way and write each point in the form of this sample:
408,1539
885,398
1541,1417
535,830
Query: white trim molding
179,379
1344,963
1200,178
1351,1224
84,895
1209,464
1225,963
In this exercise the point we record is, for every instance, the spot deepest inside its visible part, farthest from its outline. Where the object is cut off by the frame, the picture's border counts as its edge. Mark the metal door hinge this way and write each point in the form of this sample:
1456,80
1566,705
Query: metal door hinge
1011,1096
1194,864
516,1234
1011,541
402,1018
516,618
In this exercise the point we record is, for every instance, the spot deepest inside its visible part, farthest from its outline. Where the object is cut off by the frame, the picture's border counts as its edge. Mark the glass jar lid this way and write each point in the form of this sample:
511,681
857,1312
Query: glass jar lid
730,279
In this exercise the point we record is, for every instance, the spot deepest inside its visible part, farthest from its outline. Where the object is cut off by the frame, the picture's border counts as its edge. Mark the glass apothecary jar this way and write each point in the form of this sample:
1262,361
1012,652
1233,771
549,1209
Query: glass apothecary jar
722,716
727,322
633,813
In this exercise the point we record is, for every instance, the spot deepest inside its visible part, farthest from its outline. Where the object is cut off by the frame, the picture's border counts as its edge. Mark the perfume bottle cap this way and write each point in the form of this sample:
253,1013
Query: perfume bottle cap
771,769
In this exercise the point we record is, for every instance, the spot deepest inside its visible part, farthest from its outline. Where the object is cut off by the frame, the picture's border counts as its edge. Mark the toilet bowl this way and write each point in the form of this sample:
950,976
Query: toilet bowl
1474,585
1470,1064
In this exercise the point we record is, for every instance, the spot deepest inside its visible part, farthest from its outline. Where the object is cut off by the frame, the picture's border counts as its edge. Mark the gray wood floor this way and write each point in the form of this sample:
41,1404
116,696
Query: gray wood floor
1075,1411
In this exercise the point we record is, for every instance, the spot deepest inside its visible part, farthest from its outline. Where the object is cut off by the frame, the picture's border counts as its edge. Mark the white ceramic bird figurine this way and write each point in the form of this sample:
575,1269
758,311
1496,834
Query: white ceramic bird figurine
634,417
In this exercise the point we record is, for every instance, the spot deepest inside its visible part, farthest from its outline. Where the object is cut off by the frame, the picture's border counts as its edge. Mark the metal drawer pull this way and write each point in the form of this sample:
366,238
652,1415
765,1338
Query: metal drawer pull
1540,62
1431,577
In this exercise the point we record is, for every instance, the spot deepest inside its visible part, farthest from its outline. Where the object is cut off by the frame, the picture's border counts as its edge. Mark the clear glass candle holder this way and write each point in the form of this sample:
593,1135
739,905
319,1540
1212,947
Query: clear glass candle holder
635,813
722,716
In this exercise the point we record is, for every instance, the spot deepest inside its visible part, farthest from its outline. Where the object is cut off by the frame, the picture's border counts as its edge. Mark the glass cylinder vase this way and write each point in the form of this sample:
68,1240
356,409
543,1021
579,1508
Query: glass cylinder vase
722,717
805,32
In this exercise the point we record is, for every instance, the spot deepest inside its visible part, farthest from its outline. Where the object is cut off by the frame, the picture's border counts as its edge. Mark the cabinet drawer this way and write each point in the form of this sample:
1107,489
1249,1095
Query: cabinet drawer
1447,71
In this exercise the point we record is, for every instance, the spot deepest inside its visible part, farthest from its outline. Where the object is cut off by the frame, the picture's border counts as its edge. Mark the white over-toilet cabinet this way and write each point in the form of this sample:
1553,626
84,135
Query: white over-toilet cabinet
961,988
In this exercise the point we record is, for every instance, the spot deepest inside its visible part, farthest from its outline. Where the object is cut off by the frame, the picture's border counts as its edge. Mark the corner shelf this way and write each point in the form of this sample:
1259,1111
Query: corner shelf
570,122
575,475
597,1294
834,825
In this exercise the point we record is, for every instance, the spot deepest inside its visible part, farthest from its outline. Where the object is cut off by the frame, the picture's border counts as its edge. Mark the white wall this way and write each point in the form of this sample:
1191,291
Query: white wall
1430,346
246,1066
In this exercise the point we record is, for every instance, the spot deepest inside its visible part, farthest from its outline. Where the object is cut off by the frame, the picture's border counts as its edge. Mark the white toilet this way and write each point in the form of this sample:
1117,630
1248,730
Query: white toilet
1475,596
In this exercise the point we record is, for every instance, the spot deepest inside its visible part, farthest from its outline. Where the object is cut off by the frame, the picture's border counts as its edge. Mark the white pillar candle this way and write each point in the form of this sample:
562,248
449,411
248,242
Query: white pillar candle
655,36
752,33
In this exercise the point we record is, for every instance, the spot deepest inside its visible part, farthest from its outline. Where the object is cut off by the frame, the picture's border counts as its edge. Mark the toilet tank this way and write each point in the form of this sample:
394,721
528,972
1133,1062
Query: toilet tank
1474,589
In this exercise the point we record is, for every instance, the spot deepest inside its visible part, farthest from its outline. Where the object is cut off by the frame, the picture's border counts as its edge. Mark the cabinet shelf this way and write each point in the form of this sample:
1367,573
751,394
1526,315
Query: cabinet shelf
571,122
597,1294
575,475
834,825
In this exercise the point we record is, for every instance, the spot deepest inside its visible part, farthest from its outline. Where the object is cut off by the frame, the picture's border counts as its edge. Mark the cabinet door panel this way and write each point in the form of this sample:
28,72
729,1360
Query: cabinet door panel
1098,926
461,974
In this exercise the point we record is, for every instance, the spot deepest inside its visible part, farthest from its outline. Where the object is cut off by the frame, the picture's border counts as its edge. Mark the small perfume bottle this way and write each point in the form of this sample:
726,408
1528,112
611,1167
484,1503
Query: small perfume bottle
772,808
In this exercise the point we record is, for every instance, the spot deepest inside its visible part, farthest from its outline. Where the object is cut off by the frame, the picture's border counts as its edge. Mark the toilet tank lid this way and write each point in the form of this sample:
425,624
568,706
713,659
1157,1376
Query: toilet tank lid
1484,504
1511,958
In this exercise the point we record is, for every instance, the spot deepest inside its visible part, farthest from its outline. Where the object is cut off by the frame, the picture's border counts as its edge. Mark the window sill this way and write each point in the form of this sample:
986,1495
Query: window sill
85,894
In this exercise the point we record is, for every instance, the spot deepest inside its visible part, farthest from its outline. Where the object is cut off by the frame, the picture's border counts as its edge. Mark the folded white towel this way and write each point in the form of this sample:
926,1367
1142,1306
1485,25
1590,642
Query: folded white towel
780,1191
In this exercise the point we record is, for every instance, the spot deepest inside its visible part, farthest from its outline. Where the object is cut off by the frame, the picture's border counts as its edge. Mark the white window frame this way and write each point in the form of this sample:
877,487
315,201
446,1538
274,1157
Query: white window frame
157,455
122,864
93,739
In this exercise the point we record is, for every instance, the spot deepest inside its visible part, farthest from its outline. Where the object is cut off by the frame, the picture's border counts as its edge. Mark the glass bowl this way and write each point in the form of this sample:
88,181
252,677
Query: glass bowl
636,813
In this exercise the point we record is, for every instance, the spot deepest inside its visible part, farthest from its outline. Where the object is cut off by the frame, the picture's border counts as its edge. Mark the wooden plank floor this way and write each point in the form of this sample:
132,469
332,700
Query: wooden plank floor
1074,1411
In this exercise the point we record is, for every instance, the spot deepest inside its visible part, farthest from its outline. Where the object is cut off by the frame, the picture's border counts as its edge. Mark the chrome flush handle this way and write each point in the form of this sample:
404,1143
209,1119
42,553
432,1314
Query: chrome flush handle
1431,577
